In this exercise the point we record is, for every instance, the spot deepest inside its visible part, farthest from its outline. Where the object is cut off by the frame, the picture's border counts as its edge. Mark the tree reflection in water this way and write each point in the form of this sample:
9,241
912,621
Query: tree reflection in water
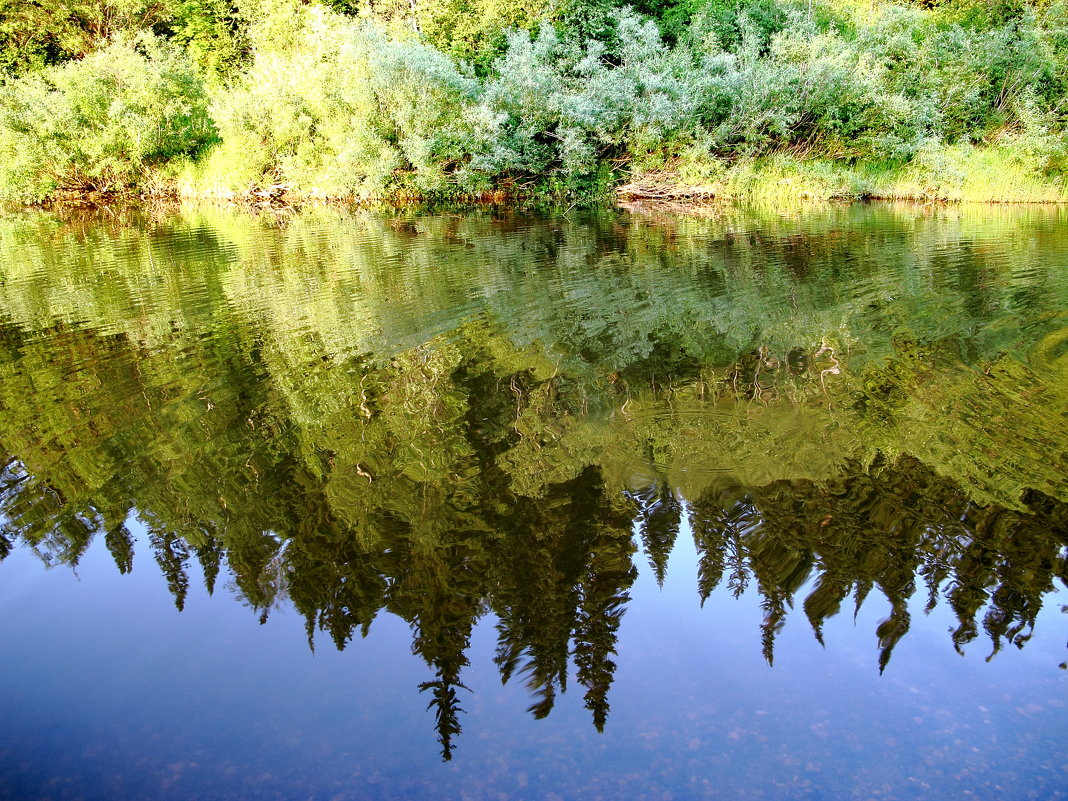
819,443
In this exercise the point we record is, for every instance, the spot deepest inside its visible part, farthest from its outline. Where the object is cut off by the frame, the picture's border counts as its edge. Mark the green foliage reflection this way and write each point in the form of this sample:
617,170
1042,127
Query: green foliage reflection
451,417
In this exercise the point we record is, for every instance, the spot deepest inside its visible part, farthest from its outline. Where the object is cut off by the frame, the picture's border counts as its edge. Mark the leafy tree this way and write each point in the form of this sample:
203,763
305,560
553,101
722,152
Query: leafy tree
37,33
213,32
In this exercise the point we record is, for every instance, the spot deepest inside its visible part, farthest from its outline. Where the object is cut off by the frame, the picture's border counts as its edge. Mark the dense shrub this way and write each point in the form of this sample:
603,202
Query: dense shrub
333,107
554,105
101,123
966,82
445,95
811,89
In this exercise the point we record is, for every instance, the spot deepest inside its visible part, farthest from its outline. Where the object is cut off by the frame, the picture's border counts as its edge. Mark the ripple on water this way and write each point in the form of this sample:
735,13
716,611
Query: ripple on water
478,440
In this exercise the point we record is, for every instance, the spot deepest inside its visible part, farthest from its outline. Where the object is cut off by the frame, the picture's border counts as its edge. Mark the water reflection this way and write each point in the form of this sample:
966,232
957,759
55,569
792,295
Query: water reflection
444,417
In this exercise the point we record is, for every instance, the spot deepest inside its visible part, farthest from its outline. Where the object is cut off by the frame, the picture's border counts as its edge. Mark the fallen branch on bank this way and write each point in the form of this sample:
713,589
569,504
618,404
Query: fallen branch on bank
665,186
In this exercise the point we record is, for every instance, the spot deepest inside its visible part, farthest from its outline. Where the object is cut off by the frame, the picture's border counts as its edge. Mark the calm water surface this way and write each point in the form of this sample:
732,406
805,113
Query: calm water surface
497,505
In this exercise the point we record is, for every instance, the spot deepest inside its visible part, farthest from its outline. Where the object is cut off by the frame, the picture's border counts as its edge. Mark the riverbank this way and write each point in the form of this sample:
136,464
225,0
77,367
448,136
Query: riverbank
959,175
808,101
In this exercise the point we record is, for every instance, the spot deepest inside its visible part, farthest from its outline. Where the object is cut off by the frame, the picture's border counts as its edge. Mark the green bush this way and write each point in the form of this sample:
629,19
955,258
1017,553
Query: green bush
380,100
213,32
877,83
809,90
102,123
554,106
333,107
965,82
